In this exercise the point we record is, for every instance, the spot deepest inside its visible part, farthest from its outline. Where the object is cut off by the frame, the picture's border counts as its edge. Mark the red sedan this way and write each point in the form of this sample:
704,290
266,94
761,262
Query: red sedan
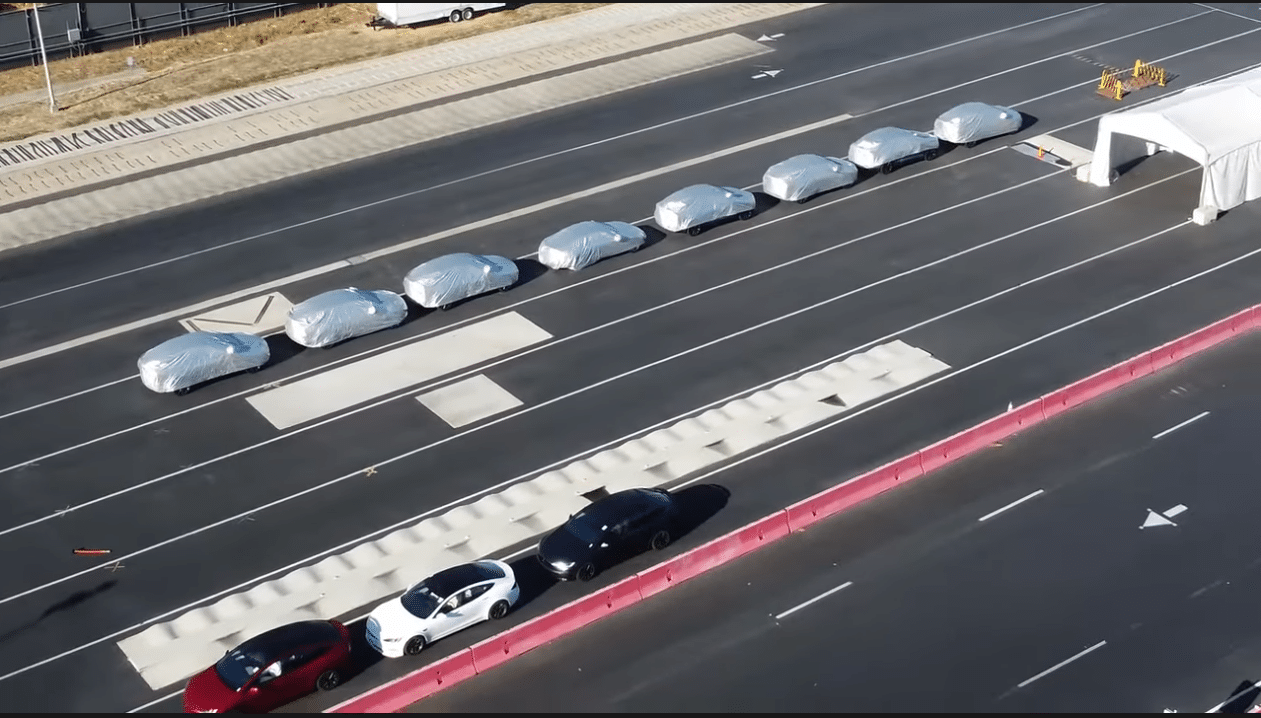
272,669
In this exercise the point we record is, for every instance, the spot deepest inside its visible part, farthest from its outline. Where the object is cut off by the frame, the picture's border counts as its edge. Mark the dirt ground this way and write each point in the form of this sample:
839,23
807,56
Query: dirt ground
169,72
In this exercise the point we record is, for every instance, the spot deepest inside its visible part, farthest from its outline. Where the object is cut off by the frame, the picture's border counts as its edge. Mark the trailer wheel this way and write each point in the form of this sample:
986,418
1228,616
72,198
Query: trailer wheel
456,16
468,13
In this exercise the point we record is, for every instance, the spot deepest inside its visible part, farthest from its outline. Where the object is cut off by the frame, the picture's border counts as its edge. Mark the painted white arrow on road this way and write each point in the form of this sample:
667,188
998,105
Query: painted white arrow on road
767,73
770,38
1162,519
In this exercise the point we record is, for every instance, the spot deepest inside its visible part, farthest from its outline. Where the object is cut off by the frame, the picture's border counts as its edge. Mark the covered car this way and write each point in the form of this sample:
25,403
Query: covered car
888,148
177,365
332,317
691,208
973,122
799,178
441,282
448,601
583,244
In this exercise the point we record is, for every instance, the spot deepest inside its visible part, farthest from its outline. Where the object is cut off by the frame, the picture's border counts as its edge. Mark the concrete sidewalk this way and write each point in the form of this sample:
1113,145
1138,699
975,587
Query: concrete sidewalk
57,184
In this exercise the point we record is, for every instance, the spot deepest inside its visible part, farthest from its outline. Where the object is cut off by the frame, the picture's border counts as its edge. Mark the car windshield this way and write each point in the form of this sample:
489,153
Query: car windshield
585,528
420,601
237,667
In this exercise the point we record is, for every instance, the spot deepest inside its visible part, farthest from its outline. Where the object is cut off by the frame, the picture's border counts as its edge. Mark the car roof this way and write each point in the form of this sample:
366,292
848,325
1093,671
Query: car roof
614,506
271,644
451,580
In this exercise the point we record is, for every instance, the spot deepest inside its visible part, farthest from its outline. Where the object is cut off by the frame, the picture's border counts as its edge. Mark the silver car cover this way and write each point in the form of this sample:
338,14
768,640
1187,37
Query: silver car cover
583,244
975,121
454,277
888,144
342,314
700,204
804,176
196,357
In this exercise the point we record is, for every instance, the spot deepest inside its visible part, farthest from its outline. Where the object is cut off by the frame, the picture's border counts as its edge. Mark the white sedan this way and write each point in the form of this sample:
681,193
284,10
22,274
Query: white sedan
449,601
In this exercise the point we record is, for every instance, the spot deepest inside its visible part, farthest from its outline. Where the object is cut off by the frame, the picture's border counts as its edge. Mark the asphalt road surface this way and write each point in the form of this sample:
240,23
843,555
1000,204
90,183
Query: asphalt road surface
970,590
1004,267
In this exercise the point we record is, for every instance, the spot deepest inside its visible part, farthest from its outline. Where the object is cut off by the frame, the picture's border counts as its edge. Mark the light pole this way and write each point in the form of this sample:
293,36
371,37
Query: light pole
43,56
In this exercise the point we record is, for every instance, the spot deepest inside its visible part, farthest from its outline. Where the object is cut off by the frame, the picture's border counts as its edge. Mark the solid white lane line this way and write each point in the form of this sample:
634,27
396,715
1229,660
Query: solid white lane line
1227,12
1174,428
60,399
559,340
1061,664
156,701
504,484
1233,697
1012,505
814,600
559,153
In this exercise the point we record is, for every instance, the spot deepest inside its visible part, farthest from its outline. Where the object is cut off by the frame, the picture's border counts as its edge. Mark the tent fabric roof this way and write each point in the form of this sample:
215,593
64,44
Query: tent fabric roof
1218,125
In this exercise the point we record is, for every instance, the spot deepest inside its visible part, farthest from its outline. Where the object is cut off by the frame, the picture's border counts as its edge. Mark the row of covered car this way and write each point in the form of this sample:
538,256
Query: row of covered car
180,364
290,661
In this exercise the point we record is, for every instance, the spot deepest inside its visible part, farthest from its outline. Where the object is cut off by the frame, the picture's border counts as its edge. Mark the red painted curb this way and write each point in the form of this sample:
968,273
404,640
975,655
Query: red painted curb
402,692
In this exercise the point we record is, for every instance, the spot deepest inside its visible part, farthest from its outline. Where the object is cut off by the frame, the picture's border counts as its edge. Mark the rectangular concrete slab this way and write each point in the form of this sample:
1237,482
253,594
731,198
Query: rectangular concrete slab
1075,155
341,388
469,401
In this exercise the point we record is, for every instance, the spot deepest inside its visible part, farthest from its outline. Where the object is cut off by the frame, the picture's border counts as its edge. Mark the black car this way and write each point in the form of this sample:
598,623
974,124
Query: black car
610,530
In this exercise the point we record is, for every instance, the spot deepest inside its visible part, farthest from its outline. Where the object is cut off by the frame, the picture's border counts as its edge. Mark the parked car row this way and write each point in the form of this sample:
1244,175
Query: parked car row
288,662
180,364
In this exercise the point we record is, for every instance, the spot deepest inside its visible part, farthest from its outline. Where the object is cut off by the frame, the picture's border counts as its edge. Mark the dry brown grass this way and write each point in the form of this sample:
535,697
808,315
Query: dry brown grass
185,69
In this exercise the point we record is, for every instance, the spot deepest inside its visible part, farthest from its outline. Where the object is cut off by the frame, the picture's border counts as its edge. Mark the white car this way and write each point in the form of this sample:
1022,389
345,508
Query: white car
448,601
581,245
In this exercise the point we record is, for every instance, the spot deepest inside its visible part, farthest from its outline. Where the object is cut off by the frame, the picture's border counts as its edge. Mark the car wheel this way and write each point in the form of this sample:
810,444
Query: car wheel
254,369
183,391
930,155
499,610
504,289
443,307
693,231
586,572
802,200
328,680
456,16
747,215
886,168
468,13
972,144
414,645
660,540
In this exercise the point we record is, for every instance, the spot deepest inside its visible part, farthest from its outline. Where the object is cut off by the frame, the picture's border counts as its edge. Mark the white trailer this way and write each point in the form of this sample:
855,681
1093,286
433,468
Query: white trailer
402,14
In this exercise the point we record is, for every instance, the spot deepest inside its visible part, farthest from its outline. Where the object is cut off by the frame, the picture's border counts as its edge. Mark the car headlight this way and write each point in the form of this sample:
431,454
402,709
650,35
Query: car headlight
391,640
562,564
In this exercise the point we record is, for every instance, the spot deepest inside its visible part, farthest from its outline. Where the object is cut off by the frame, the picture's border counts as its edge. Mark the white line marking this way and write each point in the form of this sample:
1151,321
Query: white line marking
1227,12
1233,697
1174,428
156,701
814,600
559,153
1061,664
1012,505
60,399
504,484
1179,509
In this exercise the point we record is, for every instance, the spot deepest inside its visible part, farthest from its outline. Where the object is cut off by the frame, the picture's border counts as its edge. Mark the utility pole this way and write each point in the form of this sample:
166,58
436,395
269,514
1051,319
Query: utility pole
43,56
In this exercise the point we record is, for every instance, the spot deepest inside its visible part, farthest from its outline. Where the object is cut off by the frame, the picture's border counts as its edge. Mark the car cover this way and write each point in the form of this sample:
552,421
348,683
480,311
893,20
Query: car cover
889,144
583,244
342,314
701,204
804,176
975,121
196,357
451,278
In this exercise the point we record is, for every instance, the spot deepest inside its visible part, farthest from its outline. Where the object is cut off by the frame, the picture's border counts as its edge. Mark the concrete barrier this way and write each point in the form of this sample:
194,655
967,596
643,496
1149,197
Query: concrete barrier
495,651
170,652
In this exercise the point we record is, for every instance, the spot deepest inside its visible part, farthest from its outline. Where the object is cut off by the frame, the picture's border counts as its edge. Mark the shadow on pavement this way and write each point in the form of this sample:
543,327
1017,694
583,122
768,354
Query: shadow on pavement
698,504
68,603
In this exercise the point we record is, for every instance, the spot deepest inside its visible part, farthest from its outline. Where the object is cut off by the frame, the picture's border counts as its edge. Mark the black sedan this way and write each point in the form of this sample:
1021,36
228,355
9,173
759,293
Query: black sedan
610,530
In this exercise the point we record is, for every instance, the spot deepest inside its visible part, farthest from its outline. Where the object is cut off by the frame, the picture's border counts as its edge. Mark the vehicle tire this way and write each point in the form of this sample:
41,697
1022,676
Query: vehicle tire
693,231
504,289
803,200
328,680
637,248
930,155
456,16
414,645
972,144
747,215
183,391
660,540
468,13
254,369
498,610
585,572
887,168
443,307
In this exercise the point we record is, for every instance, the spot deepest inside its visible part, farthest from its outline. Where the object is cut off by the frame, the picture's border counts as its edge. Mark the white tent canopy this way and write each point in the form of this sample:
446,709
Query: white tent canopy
1217,125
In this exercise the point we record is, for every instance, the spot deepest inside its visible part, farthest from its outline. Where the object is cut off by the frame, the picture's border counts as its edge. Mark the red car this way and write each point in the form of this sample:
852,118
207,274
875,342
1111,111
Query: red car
272,669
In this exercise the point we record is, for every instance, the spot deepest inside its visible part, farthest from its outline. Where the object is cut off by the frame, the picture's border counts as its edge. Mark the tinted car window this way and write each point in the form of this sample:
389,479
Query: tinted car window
585,528
237,667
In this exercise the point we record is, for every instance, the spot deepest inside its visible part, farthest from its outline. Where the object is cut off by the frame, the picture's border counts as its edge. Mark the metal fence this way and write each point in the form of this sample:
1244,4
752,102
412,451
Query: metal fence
75,28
